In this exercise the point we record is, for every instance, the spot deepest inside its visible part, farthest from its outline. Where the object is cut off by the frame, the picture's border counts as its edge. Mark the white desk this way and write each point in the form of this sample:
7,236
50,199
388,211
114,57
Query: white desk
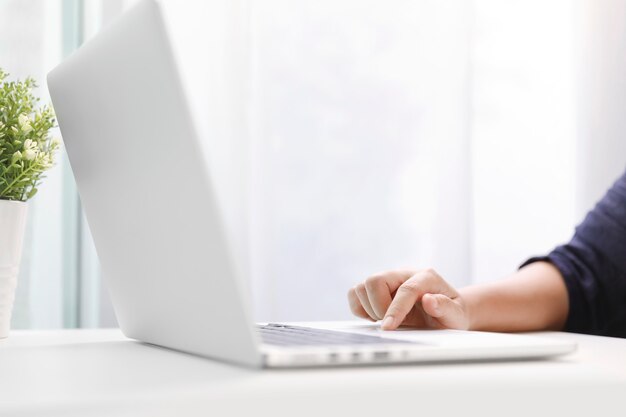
99,372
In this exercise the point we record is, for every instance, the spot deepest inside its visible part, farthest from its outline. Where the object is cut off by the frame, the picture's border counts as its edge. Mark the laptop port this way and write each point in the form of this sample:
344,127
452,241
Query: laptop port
379,356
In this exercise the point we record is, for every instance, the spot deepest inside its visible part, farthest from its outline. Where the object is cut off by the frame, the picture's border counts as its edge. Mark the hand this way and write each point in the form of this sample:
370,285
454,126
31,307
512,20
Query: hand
409,298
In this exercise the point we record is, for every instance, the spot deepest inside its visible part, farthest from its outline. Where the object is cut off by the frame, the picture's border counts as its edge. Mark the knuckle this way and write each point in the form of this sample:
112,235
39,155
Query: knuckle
374,280
360,289
409,287
431,273
430,276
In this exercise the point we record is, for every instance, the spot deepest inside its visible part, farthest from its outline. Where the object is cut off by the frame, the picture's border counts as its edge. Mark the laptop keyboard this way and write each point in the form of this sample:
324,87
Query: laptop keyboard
283,335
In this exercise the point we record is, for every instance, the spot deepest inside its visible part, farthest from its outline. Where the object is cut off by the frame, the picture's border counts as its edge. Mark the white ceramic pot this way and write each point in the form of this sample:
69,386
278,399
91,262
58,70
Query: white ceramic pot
12,225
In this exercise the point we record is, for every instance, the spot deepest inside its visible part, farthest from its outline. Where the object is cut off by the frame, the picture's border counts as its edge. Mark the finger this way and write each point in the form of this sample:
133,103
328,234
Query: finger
445,311
379,297
410,293
361,293
355,305
430,322
379,294
381,286
394,278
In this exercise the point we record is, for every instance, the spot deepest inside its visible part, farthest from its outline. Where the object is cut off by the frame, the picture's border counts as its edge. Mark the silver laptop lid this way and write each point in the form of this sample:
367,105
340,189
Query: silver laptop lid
147,194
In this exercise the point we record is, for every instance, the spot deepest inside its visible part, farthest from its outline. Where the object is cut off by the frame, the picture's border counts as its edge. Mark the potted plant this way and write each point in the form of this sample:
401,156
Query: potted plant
27,151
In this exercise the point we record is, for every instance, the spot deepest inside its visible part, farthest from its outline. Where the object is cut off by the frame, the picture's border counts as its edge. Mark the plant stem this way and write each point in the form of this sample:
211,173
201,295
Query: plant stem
15,180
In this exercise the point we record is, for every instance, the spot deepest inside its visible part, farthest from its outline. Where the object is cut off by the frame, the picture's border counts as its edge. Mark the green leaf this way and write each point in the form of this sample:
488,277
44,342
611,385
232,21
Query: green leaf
19,179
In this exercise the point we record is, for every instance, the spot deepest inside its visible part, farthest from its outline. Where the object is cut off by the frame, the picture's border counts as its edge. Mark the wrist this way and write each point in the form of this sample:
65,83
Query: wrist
469,302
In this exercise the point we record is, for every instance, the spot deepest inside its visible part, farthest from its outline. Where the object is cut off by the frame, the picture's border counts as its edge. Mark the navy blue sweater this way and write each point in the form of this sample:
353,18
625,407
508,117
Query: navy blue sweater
593,265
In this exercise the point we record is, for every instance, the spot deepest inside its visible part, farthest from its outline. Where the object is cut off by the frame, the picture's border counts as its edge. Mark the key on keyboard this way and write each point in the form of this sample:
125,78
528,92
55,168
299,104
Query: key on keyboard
283,335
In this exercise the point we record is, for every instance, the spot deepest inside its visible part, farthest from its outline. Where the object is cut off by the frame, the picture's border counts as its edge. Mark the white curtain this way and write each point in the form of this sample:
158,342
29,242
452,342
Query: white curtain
601,41
524,131
361,147
339,137
384,135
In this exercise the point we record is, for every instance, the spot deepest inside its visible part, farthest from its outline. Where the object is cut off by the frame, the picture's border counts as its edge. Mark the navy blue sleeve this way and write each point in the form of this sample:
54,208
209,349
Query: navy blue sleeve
593,265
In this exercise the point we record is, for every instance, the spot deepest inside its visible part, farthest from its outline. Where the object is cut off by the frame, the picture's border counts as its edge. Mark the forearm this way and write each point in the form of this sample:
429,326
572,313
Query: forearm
534,298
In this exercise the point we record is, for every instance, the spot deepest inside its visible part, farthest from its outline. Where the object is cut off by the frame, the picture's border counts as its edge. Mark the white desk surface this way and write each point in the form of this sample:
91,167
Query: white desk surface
100,372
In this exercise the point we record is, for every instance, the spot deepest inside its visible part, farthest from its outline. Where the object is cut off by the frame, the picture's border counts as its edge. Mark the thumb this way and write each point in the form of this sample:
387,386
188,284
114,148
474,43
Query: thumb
448,312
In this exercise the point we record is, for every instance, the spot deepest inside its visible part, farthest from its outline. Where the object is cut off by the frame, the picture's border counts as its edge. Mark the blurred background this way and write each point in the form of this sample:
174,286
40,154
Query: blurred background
353,136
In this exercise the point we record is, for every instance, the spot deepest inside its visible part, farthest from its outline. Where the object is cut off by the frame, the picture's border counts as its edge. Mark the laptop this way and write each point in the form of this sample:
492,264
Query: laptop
153,213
